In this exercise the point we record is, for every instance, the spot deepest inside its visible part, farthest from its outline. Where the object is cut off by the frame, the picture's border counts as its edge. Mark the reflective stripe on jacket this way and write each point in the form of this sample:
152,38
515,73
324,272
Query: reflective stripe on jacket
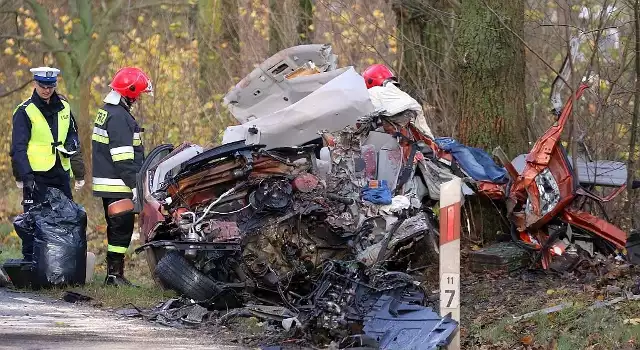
117,152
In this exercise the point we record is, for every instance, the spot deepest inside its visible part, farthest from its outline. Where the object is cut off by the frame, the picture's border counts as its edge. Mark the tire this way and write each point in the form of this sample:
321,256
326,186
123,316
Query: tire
178,274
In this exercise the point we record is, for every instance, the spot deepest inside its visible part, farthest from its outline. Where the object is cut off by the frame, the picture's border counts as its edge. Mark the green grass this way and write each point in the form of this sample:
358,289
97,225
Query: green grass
572,328
118,297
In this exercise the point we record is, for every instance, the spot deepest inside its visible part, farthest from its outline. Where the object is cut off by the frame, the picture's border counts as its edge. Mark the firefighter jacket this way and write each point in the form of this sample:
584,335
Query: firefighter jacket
40,132
117,152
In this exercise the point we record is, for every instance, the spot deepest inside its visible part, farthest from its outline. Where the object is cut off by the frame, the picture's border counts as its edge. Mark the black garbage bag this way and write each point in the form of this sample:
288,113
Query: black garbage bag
25,228
60,241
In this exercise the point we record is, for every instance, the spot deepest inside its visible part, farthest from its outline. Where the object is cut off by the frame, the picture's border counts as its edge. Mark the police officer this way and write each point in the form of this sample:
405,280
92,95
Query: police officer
117,158
43,138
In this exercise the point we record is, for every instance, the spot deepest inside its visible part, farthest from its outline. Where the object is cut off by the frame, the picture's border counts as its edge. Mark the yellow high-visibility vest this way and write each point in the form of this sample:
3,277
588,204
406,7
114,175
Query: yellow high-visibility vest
40,149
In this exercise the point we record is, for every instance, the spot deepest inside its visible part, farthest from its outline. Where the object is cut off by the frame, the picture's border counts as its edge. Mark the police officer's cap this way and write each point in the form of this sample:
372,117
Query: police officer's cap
46,75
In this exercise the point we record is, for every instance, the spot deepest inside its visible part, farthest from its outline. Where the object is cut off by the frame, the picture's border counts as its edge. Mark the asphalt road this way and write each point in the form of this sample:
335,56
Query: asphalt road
29,321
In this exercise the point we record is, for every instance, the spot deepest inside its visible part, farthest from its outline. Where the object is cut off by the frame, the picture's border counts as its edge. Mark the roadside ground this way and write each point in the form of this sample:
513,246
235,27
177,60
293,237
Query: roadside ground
489,302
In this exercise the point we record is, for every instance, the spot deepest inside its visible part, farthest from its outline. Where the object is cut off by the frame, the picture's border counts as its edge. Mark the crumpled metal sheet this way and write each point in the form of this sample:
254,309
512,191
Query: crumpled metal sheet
400,325
411,227
321,110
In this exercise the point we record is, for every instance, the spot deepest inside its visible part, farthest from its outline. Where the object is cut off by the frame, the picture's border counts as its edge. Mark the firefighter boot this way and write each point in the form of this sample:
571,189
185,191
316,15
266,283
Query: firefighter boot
115,271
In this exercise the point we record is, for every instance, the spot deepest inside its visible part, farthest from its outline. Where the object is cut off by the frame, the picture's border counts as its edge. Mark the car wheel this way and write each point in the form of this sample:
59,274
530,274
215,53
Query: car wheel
178,274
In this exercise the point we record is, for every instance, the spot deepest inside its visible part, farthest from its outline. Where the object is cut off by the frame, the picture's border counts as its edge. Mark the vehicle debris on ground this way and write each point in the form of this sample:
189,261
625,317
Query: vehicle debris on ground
319,218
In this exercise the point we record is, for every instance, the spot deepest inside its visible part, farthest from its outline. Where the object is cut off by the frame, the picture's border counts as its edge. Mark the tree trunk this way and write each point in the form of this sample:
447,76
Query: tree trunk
630,205
492,72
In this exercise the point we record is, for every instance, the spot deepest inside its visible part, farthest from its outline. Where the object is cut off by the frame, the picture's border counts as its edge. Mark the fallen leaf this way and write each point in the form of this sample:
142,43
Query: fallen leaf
526,340
600,297
550,291
632,321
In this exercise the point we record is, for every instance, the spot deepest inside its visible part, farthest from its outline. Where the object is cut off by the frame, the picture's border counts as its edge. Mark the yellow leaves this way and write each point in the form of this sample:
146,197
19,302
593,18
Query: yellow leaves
378,14
10,42
533,15
393,44
141,19
312,27
64,19
175,26
253,14
68,27
242,11
208,105
22,60
154,24
30,26
96,80
8,51
18,74
94,36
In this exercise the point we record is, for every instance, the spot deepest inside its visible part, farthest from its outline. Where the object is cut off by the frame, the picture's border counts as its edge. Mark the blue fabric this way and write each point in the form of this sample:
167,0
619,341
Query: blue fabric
381,195
474,161
46,80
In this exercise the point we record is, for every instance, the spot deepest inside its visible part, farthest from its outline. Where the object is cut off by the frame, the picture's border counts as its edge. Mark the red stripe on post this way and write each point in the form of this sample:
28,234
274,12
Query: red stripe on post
450,223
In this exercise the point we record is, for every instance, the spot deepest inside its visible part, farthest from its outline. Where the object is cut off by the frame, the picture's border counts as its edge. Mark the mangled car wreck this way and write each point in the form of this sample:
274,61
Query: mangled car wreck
269,218
324,210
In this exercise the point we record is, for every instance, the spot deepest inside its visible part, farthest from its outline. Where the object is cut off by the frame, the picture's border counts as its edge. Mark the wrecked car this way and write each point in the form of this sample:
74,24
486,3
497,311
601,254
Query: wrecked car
307,205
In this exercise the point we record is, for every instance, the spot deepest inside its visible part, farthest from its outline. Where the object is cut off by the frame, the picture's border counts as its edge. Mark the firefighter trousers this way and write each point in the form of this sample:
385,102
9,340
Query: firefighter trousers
119,229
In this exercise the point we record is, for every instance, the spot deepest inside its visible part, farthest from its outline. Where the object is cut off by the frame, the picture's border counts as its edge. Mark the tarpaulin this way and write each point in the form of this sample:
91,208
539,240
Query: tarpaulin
474,161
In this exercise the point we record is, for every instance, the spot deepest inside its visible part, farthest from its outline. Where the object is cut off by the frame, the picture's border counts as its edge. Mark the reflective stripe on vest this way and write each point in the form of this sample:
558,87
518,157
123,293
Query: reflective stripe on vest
41,150
103,184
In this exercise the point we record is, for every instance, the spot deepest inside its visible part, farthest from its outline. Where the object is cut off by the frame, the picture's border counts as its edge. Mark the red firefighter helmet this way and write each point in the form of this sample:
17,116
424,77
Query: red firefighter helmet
377,74
131,82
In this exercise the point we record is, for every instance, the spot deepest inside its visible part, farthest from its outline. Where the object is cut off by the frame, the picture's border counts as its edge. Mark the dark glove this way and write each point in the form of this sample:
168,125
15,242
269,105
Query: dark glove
29,190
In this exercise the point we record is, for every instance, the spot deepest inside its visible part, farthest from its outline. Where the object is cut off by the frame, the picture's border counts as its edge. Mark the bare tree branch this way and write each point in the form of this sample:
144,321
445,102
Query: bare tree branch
148,4
634,121
84,11
527,45
19,88
18,38
102,29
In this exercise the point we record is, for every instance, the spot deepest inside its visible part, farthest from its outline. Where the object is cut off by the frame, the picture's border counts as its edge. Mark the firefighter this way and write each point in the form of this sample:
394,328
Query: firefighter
117,156
378,75
44,136
385,94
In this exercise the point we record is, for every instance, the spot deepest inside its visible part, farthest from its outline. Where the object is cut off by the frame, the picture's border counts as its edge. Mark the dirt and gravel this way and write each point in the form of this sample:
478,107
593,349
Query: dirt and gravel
31,321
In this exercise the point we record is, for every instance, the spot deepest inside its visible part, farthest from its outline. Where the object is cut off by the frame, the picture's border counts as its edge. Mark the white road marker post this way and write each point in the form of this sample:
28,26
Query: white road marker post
450,203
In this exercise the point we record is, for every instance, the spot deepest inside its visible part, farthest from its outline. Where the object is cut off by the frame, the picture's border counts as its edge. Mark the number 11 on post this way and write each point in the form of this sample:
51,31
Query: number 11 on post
450,203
